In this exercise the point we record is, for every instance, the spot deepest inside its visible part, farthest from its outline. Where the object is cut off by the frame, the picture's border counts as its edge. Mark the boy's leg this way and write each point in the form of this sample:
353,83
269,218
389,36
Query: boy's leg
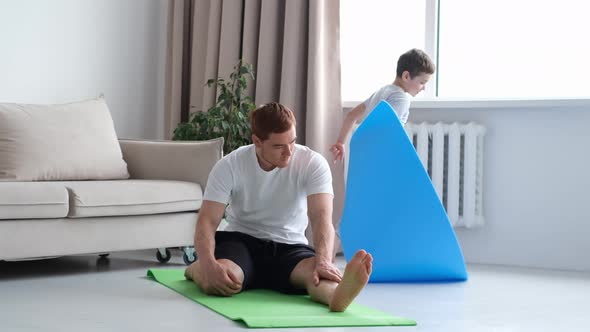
338,296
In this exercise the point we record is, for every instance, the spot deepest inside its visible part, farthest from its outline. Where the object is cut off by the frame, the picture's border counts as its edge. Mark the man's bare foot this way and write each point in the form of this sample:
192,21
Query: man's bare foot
356,276
188,272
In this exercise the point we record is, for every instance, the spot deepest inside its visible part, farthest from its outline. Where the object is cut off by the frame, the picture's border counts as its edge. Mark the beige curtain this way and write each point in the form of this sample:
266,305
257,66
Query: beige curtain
293,45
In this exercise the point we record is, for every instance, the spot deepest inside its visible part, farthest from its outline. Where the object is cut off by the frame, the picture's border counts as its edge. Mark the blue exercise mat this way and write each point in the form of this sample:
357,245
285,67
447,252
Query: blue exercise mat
392,209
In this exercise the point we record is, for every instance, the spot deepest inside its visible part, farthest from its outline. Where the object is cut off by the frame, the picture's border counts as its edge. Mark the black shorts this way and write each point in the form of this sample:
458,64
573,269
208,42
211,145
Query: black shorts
266,264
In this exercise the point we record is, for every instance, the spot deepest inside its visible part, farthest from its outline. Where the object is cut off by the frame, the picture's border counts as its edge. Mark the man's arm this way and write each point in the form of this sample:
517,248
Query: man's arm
319,210
212,276
210,216
353,116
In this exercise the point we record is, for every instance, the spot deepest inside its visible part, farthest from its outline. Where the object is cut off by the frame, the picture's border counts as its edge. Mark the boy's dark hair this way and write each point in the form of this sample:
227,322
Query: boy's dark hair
271,118
416,62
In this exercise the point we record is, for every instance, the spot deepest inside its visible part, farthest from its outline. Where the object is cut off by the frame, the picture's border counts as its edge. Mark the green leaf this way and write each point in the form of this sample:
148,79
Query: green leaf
229,117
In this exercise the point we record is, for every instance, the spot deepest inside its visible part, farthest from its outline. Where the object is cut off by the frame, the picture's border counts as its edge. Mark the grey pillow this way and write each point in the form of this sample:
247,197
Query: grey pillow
75,141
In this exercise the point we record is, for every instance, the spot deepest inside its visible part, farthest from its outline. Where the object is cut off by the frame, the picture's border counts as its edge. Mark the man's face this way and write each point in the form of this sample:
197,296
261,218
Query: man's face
415,85
277,149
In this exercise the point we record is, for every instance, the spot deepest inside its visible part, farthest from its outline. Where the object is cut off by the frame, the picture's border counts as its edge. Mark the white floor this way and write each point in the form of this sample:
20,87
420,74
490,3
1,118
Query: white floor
82,294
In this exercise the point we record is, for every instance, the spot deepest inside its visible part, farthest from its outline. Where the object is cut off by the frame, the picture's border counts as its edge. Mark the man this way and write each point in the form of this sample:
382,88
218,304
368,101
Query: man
272,189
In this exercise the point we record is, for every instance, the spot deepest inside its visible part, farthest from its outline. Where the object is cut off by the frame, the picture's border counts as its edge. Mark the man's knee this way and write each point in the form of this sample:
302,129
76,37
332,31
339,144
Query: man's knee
233,268
302,274
233,283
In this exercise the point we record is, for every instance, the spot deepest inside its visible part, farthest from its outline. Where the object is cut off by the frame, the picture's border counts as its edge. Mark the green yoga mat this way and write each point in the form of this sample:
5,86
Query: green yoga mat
264,308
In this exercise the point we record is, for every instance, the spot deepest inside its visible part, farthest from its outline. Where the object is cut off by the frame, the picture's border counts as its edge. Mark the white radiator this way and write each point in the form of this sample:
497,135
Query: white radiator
452,154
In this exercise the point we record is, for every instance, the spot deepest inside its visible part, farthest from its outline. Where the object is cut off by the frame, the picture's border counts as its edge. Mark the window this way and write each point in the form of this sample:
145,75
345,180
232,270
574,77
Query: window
514,49
373,34
498,49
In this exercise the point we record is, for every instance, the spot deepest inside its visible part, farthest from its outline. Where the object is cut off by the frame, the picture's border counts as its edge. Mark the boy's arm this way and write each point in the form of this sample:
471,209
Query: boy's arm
353,116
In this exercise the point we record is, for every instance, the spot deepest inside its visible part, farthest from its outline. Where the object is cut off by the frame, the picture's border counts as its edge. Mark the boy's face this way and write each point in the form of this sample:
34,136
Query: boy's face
415,85
277,150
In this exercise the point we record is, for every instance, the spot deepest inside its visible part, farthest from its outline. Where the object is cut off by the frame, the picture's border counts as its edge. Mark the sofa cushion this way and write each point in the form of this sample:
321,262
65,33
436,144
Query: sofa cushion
74,141
31,200
131,197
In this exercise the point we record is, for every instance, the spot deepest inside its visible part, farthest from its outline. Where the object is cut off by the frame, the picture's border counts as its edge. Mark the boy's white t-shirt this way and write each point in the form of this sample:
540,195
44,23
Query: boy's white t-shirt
395,96
268,205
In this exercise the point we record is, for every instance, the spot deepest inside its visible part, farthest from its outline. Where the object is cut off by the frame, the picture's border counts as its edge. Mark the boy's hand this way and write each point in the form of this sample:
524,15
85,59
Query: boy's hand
337,151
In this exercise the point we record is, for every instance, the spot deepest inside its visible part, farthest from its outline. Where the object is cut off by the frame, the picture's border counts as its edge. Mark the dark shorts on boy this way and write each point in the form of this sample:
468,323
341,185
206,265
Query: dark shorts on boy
266,264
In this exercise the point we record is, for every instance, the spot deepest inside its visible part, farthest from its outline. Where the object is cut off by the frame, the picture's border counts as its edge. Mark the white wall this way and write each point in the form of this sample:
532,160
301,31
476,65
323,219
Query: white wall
66,50
536,185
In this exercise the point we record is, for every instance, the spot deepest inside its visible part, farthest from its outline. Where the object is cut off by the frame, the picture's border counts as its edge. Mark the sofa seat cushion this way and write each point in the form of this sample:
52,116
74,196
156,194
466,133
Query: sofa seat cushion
32,200
131,197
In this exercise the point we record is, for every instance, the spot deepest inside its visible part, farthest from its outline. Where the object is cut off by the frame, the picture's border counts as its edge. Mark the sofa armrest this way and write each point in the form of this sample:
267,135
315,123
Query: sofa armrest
171,160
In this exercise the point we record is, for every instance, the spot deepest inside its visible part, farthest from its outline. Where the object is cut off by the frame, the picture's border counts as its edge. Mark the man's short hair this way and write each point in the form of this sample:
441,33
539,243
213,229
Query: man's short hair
416,62
271,118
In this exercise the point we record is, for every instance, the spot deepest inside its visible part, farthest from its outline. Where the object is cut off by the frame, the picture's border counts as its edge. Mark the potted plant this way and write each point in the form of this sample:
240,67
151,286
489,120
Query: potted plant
229,117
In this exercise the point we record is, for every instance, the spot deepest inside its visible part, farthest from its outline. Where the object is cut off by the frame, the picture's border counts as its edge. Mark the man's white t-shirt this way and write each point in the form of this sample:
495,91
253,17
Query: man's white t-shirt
395,96
269,205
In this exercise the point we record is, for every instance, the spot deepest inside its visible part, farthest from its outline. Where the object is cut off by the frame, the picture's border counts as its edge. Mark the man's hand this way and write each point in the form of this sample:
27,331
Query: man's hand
324,269
337,151
218,279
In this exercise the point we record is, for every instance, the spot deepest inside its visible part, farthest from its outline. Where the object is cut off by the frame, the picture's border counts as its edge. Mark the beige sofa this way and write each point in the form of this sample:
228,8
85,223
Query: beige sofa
154,205
156,208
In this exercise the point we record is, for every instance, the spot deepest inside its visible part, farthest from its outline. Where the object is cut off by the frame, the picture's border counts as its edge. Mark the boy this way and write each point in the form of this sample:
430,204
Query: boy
414,69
